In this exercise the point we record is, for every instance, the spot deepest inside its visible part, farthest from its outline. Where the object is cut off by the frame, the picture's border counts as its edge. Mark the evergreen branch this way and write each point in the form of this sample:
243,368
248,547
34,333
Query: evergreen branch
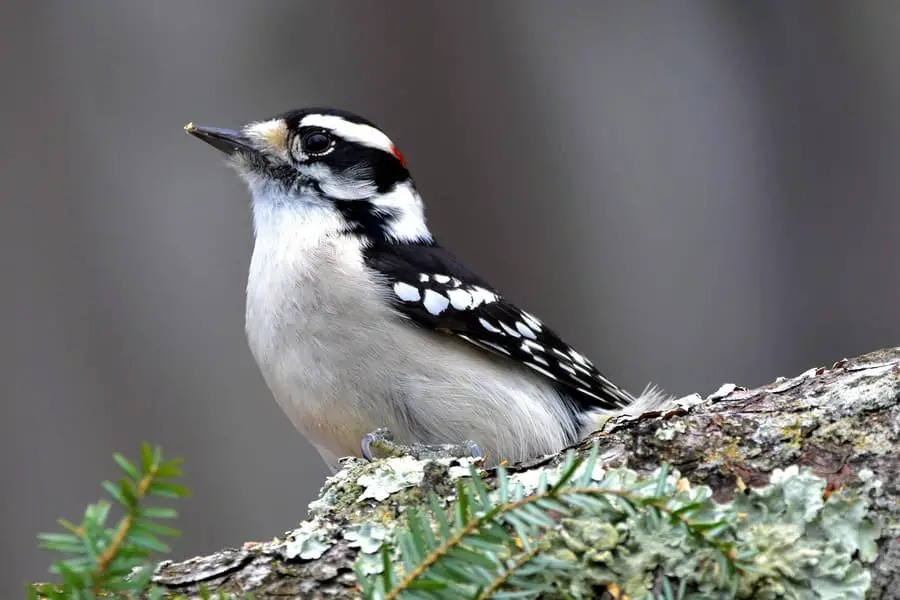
432,558
115,561
503,577
125,525
467,528
636,537
481,522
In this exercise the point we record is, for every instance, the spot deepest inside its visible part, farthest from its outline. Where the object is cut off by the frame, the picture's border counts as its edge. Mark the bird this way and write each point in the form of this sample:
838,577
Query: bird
366,329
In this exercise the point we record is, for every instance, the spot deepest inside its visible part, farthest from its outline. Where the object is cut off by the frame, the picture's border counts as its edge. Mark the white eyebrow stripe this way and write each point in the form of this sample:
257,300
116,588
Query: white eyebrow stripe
352,132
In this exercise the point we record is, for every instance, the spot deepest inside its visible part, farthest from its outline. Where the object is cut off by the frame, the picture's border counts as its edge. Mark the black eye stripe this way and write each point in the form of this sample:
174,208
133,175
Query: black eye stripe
345,158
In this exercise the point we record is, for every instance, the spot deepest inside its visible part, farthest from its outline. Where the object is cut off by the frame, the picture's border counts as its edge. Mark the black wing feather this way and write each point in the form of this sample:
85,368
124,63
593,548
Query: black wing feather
440,293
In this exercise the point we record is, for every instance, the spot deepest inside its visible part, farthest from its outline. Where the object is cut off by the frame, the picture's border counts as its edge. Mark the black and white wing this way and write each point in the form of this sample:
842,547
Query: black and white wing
431,287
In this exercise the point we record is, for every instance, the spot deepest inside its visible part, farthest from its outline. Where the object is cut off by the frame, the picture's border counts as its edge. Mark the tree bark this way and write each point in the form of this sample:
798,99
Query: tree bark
837,421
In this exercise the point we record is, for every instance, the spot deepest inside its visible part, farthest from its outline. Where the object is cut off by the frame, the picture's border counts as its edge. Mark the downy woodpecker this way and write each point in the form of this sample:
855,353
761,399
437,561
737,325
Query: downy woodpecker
360,320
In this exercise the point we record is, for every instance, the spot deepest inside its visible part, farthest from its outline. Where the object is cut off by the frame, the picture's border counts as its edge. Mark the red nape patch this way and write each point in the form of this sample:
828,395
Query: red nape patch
399,156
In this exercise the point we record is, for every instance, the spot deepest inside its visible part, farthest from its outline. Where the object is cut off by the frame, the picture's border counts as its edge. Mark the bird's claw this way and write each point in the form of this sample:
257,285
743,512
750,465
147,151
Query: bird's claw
382,439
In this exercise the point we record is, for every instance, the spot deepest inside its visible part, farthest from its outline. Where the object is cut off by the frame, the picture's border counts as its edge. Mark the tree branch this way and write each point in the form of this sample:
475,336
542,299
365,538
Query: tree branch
839,422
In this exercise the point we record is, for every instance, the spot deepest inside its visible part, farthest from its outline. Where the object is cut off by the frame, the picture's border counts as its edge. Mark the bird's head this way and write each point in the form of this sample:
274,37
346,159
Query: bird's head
323,159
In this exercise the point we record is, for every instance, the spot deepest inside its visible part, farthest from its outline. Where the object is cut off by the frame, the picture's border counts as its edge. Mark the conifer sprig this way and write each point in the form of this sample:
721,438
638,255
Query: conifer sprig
499,545
116,560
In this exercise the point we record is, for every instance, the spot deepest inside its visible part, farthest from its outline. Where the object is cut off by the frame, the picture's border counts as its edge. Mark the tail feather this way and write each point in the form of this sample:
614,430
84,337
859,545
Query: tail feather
651,399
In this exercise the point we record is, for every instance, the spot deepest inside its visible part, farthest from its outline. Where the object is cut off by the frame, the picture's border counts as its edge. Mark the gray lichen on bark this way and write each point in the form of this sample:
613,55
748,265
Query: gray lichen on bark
839,422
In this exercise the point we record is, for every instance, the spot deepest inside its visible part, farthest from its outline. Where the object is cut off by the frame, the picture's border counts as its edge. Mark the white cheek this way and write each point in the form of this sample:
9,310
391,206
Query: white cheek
339,187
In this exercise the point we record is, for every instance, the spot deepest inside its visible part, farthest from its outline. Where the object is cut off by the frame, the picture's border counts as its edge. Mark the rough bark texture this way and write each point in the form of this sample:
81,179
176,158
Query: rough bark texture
836,421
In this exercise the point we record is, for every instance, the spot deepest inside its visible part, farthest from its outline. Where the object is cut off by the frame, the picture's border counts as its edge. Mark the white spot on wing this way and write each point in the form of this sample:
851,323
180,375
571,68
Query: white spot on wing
581,381
589,393
460,299
509,330
486,345
562,355
406,292
434,302
487,325
482,296
541,360
532,321
579,358
528,346
525,330
496,347
441,278
423,277
583,370
541,370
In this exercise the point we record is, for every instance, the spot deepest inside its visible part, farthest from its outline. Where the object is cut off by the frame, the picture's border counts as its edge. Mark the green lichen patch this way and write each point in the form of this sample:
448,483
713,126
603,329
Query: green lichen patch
309,541
788,539
807,547
389,477
360,505
795,544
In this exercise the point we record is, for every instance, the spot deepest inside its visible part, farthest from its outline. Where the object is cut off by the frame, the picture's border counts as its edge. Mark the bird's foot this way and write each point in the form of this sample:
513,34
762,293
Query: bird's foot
381,441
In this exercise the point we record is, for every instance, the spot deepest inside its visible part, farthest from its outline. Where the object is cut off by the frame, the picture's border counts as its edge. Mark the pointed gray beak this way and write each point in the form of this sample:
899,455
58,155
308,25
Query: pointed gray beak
228,141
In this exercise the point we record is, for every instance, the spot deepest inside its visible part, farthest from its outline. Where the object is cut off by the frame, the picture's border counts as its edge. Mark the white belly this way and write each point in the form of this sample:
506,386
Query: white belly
342,363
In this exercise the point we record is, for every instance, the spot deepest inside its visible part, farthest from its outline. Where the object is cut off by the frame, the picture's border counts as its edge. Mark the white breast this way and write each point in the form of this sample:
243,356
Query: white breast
342,363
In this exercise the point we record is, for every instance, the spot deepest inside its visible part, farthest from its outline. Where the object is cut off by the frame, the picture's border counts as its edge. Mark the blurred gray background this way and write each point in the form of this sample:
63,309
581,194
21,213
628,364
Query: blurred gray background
690,192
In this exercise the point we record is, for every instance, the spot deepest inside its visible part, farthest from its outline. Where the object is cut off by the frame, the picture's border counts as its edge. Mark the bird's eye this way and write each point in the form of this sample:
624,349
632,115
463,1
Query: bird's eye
316,143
